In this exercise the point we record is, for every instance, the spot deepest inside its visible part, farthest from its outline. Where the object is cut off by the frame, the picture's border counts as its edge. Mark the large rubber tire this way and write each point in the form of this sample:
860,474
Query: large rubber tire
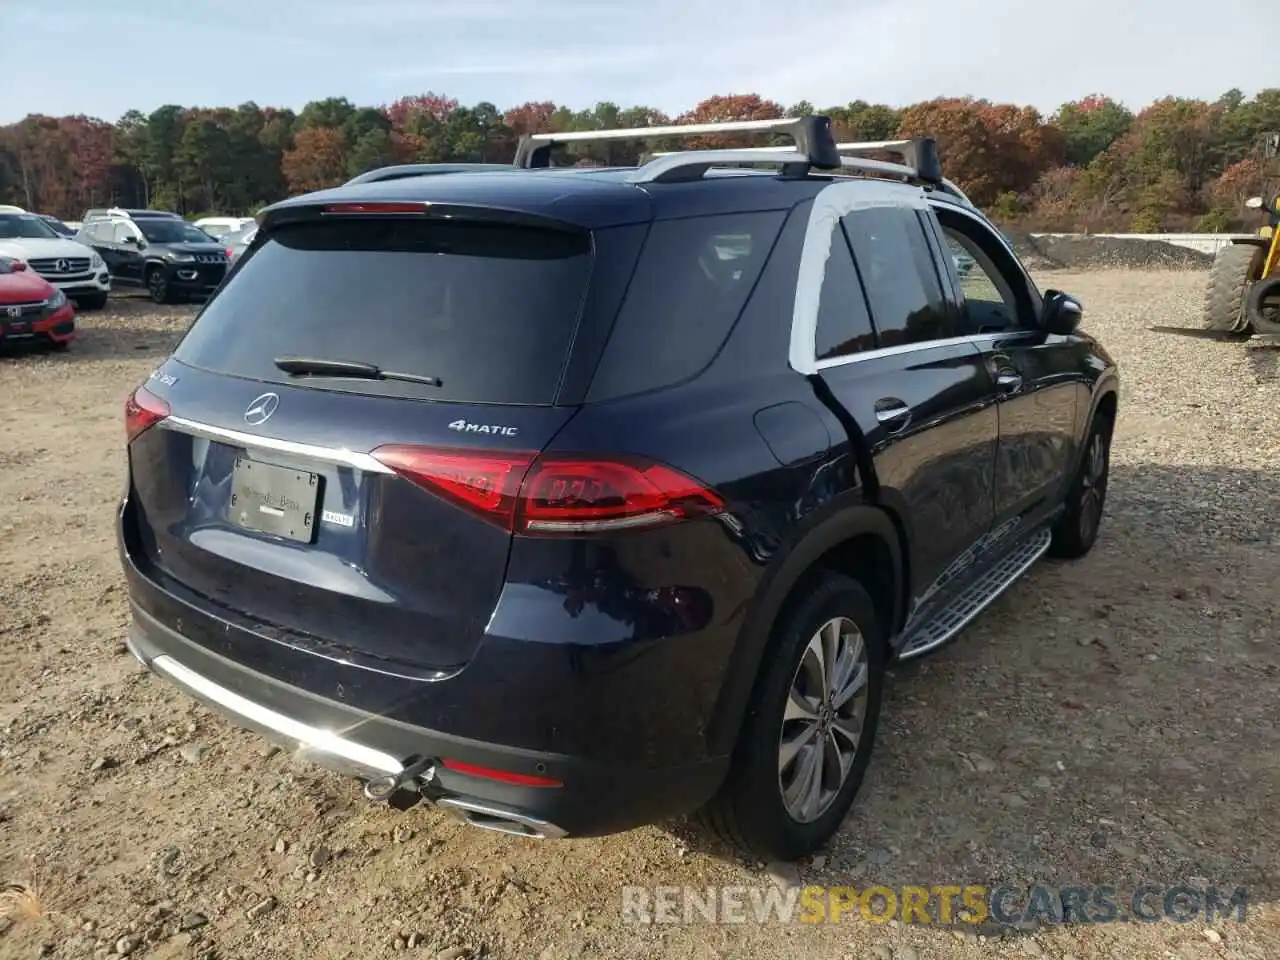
1233,270
750,811
1263,306
158,285
1077,529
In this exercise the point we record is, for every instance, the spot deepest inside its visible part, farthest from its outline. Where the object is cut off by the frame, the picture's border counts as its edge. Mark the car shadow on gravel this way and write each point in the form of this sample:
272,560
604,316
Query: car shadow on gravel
1108,721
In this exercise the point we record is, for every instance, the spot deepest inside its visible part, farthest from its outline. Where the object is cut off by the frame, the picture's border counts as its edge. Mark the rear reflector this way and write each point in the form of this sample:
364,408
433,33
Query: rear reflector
142,411
367,208
525,493
502,776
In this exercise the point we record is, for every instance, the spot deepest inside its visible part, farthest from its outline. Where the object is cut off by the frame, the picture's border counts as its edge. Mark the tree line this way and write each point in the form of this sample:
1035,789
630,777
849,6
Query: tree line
1092,165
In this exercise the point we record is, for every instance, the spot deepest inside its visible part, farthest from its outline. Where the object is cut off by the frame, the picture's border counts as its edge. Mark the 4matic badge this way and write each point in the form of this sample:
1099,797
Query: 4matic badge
493,429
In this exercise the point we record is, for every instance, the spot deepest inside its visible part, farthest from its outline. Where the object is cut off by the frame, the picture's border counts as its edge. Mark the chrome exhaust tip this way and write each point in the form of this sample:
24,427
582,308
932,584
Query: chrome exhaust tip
499,820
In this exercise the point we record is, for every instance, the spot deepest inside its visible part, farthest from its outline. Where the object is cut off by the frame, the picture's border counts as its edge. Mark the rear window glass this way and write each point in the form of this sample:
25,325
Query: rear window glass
488,309
692,281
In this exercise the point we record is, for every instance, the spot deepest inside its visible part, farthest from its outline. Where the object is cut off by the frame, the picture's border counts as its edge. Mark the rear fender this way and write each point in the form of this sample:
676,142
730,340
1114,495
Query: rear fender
778,587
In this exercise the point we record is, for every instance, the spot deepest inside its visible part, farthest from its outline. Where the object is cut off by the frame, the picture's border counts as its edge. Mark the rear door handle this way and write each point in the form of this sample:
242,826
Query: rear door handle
893,413
1008,381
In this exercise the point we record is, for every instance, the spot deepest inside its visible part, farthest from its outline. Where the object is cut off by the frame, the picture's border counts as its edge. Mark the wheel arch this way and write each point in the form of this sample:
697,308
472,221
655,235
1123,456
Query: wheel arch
864,542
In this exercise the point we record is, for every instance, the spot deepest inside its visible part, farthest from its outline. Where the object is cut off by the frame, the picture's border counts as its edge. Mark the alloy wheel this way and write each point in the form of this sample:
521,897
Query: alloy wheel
1093,486
823,721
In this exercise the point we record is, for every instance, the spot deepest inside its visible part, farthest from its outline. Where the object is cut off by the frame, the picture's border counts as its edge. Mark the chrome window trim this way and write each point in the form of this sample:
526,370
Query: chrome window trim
341,457
979,340
829,206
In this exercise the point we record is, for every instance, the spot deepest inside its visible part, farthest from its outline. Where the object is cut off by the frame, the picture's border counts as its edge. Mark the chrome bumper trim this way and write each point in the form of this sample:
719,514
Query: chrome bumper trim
311,739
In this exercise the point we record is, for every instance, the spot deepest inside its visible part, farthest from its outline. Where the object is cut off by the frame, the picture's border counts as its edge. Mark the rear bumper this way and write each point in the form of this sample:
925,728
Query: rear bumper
594,798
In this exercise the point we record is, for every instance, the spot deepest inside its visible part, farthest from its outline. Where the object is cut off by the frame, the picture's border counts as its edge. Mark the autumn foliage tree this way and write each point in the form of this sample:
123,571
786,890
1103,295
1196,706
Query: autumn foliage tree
318,159
1093,164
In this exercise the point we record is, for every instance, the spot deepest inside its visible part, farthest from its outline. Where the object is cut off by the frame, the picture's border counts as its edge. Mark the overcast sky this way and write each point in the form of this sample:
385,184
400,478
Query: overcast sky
102,57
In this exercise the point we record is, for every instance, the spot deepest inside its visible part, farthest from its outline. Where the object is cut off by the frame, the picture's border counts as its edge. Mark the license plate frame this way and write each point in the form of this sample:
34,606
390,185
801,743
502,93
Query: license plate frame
16,328
275,500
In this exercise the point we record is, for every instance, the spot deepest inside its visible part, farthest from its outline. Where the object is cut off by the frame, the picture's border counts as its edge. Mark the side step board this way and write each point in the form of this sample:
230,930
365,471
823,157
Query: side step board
923,637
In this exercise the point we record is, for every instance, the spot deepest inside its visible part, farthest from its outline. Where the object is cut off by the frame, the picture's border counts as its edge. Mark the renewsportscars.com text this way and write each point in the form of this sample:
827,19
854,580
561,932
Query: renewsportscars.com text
938,904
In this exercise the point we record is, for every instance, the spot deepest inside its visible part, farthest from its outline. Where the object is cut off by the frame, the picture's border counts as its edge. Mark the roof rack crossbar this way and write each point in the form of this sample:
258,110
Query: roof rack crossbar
813,138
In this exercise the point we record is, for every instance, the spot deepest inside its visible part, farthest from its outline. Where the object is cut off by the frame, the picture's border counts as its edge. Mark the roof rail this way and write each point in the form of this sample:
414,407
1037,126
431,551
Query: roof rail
920,155
400,171
814,142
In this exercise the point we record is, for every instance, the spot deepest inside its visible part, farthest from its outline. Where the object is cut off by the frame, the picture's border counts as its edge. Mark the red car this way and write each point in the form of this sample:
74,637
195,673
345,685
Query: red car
32,309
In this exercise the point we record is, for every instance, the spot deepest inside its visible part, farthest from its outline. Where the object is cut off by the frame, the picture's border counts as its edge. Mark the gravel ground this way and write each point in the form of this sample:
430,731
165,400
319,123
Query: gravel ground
1110,721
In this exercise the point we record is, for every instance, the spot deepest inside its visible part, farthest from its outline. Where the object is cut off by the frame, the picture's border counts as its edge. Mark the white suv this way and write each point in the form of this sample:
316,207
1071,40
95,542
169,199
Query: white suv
78,271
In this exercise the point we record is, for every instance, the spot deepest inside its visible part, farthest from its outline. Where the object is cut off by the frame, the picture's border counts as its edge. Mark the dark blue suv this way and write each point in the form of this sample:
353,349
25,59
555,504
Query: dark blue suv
576,499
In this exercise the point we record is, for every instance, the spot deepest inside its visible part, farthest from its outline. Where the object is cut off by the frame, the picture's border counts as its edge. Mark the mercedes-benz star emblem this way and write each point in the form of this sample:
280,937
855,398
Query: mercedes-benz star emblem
62,266
260,411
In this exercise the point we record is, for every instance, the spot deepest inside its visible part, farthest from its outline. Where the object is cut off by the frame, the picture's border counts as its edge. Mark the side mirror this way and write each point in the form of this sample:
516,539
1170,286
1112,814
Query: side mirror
133,241
1254,203
1061,313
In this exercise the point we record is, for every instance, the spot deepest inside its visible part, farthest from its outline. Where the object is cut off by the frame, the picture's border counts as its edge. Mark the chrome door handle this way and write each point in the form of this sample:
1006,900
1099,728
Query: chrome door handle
893,412
1007,381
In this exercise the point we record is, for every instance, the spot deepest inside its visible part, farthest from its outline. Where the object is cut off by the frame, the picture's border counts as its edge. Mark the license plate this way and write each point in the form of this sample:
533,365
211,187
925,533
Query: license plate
16,328
275,500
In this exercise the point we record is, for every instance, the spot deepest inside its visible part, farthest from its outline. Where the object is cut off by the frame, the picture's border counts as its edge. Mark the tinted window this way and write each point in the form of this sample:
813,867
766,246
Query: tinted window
489,309
693,279
899,274
164,230
122,232
24,226
998,295
844,326
988,301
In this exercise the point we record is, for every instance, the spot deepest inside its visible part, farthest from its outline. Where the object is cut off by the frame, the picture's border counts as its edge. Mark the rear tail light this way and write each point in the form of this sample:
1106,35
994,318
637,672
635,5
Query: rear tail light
535,495
379,207
142,411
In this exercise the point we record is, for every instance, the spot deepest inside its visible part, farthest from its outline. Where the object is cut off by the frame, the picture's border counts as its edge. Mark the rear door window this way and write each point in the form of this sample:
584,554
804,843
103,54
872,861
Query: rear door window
488,309
844,325
901,277
691,283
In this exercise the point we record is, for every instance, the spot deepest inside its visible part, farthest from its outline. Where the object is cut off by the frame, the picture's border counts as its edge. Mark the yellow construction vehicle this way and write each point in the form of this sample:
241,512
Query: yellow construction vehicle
1243,296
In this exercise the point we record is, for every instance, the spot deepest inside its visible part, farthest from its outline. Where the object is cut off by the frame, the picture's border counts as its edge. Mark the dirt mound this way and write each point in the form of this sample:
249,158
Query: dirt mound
1098,253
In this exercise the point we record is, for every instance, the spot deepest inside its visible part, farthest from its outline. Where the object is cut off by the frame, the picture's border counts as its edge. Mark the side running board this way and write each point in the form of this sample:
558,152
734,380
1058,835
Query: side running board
951,619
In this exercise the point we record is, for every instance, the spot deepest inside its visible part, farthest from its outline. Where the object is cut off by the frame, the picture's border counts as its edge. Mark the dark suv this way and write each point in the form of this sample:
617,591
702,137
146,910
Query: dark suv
156,250
574,499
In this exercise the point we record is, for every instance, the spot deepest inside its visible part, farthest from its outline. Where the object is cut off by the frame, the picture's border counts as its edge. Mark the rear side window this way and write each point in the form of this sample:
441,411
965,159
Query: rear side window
692,280
900,275
844,326
489,309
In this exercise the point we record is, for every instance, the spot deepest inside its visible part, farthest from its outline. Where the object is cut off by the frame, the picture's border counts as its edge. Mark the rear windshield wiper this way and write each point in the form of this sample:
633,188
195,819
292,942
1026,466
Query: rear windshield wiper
320,367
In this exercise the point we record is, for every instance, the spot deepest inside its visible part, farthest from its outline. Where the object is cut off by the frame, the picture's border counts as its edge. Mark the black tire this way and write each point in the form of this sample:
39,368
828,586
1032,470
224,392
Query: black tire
92,301
1263,306
1077,529
750,810
158,285
1233,270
